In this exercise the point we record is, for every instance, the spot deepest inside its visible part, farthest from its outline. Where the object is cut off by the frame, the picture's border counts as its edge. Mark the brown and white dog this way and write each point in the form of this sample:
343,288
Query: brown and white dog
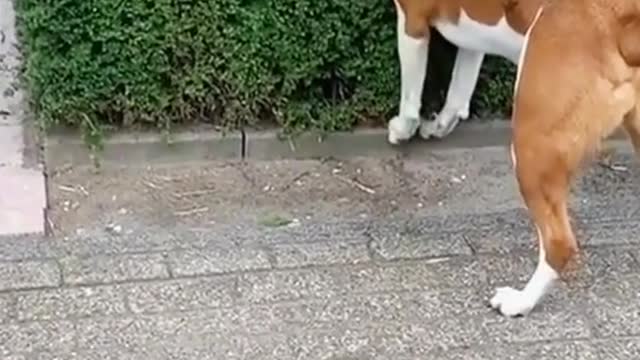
476,27
578,81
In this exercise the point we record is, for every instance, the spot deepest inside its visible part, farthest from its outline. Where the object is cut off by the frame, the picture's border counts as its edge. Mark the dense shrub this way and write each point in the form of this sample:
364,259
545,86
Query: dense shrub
303,64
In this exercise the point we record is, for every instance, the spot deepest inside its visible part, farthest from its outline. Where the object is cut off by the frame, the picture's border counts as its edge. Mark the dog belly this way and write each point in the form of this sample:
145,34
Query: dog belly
499,39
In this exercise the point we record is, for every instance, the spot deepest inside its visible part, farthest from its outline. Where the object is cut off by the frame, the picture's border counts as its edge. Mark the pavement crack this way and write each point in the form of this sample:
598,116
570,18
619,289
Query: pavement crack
271,257
634,258
469,243
243,143
371,250
167,264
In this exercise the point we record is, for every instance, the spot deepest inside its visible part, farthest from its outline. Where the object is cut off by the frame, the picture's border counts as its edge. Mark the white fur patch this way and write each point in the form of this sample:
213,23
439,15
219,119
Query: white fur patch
500,39
524,48
512,302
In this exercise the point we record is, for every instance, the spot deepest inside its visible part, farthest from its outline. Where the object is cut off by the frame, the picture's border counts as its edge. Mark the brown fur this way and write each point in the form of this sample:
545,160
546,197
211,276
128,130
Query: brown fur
578,84
629,40
421,13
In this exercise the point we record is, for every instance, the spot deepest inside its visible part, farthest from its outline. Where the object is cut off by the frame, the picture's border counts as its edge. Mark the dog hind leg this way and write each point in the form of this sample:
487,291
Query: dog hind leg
465,75
413,51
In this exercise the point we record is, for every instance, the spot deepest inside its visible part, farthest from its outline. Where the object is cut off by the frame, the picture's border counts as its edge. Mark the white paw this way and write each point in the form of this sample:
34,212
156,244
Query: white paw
443,124
511,302
463,114
402,128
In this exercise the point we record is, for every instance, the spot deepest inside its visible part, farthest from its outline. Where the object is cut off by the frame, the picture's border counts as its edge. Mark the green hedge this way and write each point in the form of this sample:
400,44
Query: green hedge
302,64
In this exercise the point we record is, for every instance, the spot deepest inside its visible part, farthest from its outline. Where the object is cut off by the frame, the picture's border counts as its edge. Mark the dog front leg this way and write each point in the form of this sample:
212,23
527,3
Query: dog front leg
413,50
463,82
512,302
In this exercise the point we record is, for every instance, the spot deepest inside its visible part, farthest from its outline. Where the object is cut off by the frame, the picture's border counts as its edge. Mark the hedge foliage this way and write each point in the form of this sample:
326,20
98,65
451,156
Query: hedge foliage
303,64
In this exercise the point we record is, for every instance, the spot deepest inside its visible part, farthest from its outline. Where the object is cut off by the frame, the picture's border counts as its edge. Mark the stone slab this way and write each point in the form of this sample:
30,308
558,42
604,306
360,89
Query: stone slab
35,337
109,269
263,145
181,295
22,201
11,145
320,253
69,303
209,261
29,275
142,149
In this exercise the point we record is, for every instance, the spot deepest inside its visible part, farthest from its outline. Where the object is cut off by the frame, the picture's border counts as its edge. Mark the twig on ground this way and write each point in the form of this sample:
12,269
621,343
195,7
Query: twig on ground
51,225
191,212
83,190
355,183
612,167
194,193
151,185
605,159
67,188
298,177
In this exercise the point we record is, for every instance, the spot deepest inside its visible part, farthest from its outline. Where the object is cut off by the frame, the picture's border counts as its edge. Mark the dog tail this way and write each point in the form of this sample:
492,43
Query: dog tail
629,40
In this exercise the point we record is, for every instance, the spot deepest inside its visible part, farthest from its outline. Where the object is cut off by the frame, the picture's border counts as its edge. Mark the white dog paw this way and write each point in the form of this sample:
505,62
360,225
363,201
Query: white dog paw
402,128
511,302
443,124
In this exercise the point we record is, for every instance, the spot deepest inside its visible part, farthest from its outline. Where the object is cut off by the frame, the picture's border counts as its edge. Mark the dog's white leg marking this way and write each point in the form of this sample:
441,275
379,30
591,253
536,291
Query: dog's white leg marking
512,302
414,54
463,82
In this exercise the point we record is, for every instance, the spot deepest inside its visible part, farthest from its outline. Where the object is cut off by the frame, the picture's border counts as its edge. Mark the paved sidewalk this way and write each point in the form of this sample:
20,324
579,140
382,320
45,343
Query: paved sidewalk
22,194
401,285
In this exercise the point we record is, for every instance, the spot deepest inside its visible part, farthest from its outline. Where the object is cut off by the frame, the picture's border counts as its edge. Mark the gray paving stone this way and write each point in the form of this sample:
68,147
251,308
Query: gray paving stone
108,269
353,311
96,240
555,350
289,285
14,248
611,260
507,232
613,306
128,332
185,294
112,353
381,341
481,331
29,274
565,323
211,261
7,307
69,303
491,219
348,311
619,349
322,231
16,357
34,337
320,253
611,233
409,240
502,240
